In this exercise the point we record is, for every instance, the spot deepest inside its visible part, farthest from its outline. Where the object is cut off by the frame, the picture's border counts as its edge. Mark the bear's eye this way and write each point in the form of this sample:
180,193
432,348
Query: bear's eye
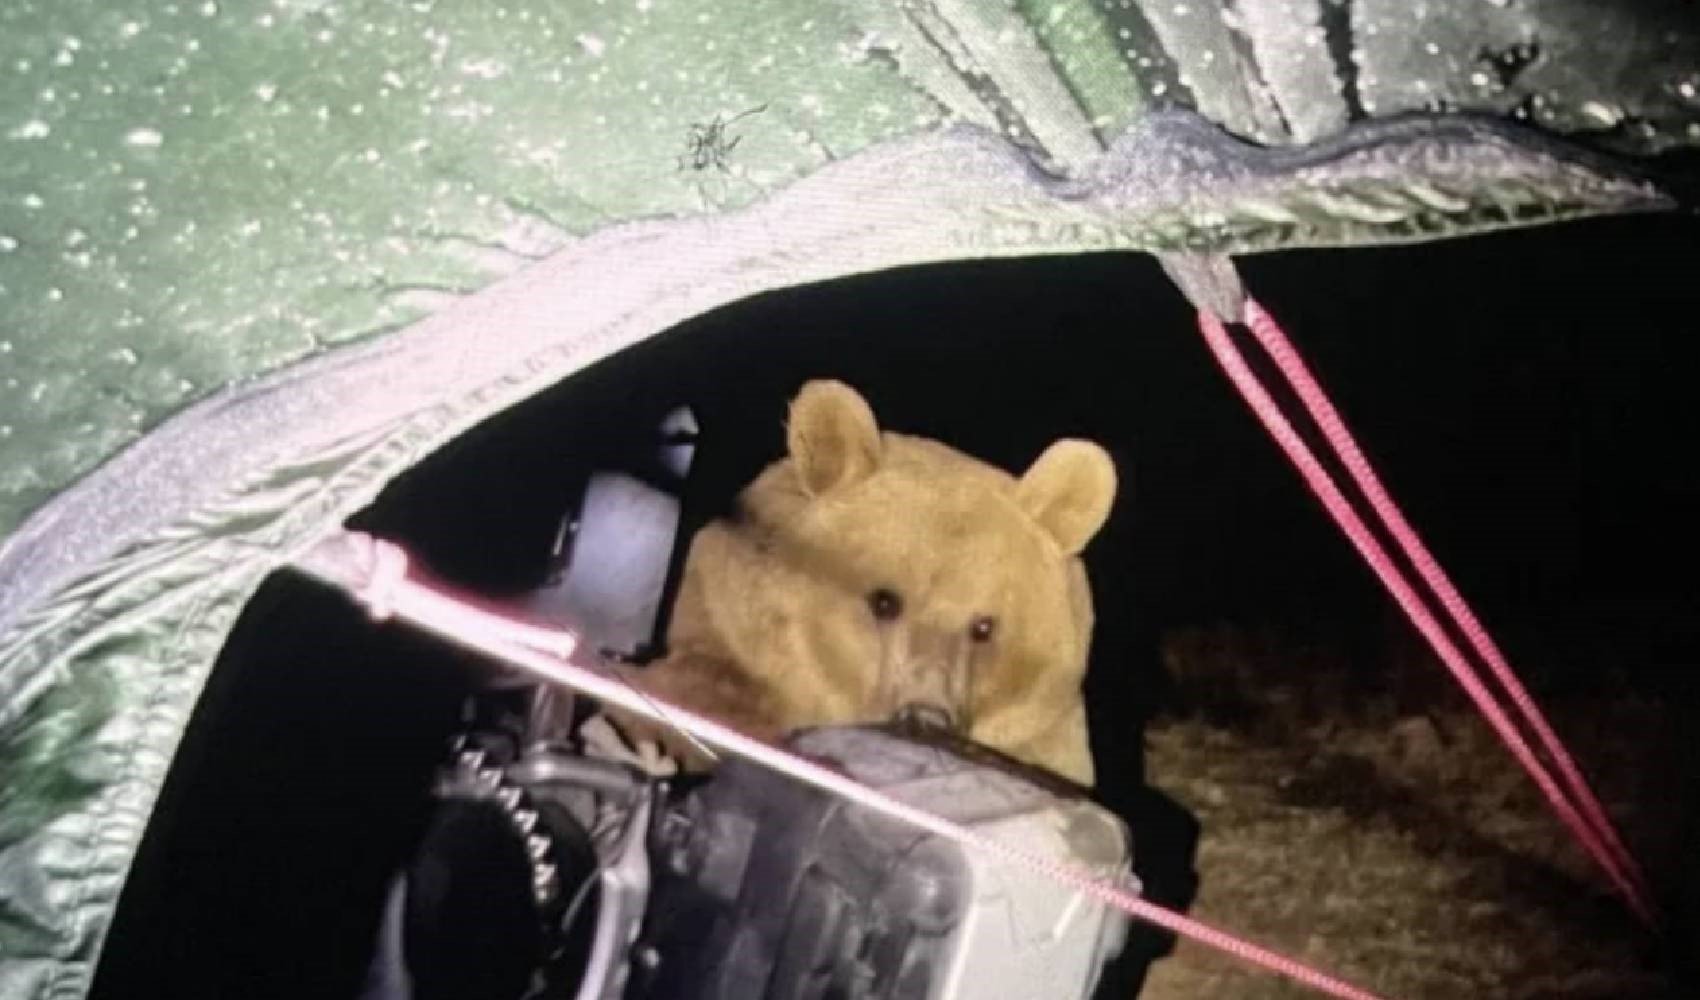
982,628
885,604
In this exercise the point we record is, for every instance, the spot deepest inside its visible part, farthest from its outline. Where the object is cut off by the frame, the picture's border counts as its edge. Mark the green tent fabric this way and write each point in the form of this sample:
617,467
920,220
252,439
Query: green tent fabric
257,258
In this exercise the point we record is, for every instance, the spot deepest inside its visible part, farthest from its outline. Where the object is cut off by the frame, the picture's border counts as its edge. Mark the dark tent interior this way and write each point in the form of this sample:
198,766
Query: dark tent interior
1526,397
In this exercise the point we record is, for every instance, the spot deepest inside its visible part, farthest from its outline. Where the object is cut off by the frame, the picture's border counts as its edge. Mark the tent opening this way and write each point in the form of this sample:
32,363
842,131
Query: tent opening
1228,611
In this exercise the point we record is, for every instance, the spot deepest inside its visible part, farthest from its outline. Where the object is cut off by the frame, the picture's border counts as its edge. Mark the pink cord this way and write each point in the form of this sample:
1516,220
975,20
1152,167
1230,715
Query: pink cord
381,582
1286,357
1592,830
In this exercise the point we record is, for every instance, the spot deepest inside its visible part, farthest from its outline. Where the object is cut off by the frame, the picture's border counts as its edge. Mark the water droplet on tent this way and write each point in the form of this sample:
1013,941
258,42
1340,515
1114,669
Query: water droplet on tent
8,243
143,138
1687,89
1602,114
35,128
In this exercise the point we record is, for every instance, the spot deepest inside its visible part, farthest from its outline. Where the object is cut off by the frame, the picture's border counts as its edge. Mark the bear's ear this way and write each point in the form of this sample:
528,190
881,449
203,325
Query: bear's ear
832,437
1069,491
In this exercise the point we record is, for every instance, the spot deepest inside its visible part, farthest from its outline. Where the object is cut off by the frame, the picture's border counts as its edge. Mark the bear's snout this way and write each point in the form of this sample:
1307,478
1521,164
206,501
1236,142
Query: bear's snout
924,676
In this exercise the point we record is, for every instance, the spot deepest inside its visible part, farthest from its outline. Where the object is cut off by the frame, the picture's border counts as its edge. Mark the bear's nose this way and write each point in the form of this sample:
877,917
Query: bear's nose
925,715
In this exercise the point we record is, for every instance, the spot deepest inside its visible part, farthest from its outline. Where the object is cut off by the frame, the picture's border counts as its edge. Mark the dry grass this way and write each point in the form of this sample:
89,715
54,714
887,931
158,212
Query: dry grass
1381,831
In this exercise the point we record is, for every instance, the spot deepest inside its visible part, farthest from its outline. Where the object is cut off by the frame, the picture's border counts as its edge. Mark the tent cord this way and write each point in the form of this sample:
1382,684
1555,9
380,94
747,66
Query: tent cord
1588,822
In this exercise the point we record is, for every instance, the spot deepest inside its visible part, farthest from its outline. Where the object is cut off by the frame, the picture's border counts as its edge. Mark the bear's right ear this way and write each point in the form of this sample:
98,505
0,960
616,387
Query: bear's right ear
832,437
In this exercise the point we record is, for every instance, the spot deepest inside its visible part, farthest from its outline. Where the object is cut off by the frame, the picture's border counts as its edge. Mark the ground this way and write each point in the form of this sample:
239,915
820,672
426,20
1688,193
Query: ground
1379,830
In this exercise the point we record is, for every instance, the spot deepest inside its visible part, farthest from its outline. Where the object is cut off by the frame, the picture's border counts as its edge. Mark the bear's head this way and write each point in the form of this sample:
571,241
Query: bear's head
873,574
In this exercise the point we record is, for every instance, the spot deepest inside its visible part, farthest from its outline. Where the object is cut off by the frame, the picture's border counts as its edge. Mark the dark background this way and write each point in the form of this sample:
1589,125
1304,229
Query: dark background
1526,396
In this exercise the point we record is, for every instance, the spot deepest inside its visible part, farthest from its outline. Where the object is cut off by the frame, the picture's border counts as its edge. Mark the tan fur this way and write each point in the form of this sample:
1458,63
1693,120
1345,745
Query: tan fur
773,627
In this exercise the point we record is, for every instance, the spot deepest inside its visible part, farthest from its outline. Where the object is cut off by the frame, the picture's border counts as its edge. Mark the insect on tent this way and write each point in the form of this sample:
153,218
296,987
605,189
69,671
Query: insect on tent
259,258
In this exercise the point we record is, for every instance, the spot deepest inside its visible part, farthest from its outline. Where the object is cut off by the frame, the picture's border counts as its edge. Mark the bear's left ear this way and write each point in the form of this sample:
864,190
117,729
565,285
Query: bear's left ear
1069,491
832,437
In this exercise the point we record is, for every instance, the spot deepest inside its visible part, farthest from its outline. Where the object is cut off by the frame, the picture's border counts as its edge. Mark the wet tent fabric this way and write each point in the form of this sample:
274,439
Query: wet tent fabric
258,258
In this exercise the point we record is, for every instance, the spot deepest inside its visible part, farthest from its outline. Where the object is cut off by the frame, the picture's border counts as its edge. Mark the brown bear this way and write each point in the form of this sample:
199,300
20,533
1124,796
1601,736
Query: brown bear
870,574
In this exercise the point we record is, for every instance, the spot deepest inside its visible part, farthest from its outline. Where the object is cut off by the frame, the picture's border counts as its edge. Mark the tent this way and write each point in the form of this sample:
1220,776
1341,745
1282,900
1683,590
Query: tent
258,259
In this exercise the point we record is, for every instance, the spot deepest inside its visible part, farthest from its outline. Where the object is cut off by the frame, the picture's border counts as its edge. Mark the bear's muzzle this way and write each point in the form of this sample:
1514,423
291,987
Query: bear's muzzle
925,677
